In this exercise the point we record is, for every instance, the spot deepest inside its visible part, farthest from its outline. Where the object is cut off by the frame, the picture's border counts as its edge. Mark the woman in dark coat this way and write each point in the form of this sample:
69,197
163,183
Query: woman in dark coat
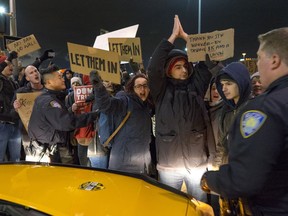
130,148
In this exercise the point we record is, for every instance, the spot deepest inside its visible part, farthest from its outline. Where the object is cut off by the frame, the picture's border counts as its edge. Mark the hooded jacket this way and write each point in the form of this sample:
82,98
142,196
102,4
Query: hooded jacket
180,113
240,75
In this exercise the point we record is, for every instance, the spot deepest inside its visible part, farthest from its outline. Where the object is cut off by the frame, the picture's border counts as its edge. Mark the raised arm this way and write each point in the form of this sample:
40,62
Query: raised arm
177,31
156,68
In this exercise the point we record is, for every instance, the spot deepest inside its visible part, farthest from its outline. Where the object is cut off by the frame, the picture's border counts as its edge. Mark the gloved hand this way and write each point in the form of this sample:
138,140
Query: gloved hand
134,66
105,149
12,55
210,64
125,77
95,78
213,66
46,55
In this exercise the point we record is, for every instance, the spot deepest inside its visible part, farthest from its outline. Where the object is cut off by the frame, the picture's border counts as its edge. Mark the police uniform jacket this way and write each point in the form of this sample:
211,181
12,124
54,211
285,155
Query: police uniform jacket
181,125
50,120
258,154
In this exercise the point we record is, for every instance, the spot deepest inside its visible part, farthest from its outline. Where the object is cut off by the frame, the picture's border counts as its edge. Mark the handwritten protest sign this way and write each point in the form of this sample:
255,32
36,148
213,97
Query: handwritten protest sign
24,46
83,59
27,102
218,44
80,95
9,39
126,48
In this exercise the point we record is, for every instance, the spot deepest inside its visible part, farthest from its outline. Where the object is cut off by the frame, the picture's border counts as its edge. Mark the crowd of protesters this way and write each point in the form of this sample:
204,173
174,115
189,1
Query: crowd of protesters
189,134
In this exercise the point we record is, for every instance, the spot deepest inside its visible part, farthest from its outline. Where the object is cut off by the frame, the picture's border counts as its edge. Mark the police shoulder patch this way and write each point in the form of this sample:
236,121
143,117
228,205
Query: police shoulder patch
55,104
251,122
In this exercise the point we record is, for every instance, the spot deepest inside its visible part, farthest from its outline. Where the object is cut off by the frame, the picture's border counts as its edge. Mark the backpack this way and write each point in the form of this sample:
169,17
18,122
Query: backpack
107,128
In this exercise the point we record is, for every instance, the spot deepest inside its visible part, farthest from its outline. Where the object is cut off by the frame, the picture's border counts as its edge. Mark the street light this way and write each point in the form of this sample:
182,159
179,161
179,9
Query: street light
2,10
2,20
12,16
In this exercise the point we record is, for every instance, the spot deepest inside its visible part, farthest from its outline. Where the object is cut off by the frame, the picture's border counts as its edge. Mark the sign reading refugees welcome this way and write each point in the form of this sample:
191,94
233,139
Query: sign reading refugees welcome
218,44
83,59
24,46
126,48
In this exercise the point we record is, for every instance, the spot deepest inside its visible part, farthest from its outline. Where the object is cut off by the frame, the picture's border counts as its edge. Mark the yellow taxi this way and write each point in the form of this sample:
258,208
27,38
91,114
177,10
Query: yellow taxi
39,189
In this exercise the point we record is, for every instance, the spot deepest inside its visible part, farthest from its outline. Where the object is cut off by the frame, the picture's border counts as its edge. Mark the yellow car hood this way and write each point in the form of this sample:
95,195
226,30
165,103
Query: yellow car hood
70,190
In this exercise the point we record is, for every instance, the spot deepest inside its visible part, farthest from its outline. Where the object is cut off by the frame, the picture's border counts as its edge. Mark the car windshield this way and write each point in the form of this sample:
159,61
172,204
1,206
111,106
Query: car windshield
13,209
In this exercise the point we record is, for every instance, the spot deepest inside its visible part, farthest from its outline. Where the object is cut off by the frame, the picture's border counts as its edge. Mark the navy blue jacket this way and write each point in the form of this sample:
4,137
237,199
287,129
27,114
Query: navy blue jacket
240,75
130,149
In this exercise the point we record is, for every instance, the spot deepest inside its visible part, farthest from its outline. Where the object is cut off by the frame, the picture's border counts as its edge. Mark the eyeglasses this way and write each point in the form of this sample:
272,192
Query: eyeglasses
145,86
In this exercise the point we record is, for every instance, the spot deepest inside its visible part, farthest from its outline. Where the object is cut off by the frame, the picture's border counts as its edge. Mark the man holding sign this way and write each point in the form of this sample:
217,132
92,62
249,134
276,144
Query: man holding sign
25,99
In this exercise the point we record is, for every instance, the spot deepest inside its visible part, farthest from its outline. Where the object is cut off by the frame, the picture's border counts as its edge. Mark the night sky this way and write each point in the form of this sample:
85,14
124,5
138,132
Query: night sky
56,22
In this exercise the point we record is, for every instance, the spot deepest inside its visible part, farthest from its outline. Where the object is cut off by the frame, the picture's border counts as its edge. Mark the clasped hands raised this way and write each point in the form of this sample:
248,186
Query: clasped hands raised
177,31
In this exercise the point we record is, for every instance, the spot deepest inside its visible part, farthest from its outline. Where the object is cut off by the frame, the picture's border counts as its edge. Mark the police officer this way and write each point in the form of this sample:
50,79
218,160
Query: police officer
257,171
50,120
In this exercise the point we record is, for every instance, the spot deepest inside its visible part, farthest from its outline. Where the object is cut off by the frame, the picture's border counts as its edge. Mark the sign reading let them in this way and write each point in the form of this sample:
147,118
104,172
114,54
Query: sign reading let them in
83,59
126,48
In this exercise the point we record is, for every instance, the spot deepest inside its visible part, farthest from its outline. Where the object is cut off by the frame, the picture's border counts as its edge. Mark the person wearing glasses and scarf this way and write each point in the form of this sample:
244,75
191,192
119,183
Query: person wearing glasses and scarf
130,151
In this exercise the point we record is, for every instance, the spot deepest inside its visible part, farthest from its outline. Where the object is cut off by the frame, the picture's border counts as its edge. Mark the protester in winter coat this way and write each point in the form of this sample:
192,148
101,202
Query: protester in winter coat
214,105
130,148
33,84
84,136
10,136
182,123
234,86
